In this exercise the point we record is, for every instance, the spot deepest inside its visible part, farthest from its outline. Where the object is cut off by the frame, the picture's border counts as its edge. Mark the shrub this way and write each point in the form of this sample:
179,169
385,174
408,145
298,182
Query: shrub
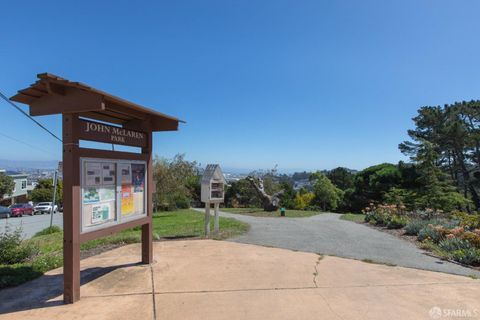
447,223
453,244
470,221
427,214
396,222
16,274
467,256
379,215
12,248
303,200
49,230
47,262
434,233
472,237
414,226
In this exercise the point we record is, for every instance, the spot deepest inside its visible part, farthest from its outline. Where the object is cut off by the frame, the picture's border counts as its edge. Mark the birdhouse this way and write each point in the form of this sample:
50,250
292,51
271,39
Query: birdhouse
213,184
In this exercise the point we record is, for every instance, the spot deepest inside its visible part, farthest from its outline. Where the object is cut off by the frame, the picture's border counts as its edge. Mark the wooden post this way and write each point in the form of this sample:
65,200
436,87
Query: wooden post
215,228
71,209
147,246
207,219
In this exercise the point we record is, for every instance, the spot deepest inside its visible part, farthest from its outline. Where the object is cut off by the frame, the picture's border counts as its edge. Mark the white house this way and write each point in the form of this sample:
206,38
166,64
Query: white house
19,193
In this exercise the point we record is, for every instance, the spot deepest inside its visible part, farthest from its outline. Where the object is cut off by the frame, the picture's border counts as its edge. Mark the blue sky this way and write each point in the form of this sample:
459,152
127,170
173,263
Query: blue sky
301,84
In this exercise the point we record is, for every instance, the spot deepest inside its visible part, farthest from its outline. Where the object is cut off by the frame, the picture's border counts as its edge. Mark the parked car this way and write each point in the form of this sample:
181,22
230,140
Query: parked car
4,212
19,209
44,207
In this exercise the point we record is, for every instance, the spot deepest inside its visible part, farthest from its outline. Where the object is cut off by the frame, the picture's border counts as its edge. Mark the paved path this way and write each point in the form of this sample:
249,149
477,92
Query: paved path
31,224
328,234
216,280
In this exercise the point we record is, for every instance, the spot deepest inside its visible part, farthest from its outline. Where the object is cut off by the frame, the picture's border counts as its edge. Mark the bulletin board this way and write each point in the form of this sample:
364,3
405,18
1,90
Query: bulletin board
113,192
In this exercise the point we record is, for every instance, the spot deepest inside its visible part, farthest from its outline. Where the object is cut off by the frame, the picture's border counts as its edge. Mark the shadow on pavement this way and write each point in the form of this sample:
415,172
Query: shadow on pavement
46,291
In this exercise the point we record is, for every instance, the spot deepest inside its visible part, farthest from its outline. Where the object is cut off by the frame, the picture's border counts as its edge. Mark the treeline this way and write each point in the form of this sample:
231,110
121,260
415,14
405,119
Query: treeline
444,172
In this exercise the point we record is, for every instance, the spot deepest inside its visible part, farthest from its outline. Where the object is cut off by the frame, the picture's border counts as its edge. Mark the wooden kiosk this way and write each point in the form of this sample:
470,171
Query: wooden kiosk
104,191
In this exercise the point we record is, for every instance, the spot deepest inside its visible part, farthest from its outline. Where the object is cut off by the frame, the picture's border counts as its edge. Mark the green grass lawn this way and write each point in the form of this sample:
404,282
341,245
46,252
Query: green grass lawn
166,225
355,217
258,212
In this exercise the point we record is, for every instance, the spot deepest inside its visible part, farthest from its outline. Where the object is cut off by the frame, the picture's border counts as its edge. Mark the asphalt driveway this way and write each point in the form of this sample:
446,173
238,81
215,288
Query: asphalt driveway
328,234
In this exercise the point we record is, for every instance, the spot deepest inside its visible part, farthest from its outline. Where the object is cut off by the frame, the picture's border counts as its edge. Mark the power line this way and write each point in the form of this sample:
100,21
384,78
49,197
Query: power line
28,116
23,142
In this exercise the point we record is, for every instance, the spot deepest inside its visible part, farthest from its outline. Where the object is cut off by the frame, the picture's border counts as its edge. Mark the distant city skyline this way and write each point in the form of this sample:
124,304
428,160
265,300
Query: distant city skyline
303,85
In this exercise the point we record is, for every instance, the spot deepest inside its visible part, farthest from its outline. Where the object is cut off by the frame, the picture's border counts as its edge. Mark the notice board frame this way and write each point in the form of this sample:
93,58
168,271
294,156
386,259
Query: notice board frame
120,219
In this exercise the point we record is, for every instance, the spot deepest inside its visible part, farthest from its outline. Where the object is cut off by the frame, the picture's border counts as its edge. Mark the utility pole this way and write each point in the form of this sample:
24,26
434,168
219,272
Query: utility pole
52,210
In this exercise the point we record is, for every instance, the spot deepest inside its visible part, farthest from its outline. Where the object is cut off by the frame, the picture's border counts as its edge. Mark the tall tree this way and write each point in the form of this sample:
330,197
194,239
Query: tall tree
177,182
6,185
438,191
341,177
327,196
454,132
241,194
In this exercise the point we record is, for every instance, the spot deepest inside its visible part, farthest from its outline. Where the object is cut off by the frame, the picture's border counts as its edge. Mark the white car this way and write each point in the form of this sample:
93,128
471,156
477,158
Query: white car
44,207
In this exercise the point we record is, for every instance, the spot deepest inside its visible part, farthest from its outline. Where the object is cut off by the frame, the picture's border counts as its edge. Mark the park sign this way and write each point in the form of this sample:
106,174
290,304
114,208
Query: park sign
101,132
104,192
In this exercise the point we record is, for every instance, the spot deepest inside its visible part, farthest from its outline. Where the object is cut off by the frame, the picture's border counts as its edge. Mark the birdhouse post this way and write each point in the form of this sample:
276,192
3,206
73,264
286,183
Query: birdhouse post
213,191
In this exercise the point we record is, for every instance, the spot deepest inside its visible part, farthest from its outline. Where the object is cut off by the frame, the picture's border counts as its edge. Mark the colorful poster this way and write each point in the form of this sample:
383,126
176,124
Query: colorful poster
100,213
91,195
93,174
107,194
138,177
127,200
138,202
108,174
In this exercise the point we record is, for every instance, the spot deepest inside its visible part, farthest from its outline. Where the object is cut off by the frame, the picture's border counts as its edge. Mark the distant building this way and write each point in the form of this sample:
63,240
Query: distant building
20,190
303,183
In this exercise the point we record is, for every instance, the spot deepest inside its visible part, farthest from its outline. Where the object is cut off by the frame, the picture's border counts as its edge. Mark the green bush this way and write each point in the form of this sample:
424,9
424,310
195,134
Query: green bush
16,274
396,222
47,262
467,256
470,221
13,249
472,237
430,233
49,230
454,244
446,223
414,226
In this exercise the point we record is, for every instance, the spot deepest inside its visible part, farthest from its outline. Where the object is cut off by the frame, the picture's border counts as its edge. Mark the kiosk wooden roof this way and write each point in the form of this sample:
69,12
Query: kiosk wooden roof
52,94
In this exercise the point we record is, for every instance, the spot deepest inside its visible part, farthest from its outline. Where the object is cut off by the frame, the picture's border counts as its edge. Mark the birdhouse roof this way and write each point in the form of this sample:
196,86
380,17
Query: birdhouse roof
212,172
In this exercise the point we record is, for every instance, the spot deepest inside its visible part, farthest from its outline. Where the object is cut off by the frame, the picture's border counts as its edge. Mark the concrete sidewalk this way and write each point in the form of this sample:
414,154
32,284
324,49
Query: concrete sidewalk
327,234
205,279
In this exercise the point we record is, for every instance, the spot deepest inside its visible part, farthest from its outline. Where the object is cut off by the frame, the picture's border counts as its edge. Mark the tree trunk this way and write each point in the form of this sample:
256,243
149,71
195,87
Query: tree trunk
270,202
467,182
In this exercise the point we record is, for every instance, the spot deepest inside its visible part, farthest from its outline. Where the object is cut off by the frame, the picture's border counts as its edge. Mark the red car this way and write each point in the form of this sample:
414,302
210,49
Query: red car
20,209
